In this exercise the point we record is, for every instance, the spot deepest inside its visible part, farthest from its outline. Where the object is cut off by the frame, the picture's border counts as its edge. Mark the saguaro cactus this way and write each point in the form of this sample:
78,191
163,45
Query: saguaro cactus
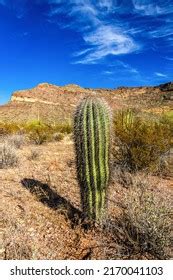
92,144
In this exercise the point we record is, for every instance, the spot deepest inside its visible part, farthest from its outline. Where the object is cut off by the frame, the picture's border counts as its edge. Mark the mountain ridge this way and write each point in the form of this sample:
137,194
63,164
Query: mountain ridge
57,102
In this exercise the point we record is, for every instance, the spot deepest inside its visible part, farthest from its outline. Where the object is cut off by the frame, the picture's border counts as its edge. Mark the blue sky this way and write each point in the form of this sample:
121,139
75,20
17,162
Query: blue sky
104,43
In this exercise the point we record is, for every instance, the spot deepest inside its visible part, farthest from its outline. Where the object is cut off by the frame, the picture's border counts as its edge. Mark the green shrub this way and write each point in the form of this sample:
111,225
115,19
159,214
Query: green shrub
139,143
63,128
38,132
10,128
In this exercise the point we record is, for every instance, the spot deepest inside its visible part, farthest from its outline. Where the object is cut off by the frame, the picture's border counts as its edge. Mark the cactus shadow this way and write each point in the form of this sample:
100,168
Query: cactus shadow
50,198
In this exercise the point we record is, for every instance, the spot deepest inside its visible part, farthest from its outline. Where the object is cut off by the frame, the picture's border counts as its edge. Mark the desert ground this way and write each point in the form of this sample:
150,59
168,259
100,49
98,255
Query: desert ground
41,214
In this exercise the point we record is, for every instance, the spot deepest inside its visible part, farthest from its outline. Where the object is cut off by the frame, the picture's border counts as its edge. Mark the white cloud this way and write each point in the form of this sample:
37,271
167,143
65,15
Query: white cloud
162,32
152,8
108,72
128,68
158,74
107,40
107,4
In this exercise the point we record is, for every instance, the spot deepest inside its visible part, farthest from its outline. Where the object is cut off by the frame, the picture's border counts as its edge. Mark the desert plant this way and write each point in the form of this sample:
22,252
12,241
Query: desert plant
139,143
167,119
37,131
146,222
10,128
127,119
34,155
15,140
92,142
58,136
8,157
65,127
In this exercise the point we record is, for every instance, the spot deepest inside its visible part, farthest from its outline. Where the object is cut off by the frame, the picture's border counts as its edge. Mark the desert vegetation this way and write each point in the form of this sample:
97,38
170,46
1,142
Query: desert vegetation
103,193
141,143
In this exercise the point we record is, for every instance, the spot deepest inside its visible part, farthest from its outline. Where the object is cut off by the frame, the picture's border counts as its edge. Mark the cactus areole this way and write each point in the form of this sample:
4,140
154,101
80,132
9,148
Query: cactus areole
92,145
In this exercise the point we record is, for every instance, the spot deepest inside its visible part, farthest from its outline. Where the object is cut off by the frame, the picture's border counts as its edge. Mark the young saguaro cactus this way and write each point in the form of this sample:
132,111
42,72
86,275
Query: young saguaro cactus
92,145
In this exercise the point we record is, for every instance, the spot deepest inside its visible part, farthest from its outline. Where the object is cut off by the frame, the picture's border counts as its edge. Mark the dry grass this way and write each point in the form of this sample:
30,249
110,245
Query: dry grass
146,221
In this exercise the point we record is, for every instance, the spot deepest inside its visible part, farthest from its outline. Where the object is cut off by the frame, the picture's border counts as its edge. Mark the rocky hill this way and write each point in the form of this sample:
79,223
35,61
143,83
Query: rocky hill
56,103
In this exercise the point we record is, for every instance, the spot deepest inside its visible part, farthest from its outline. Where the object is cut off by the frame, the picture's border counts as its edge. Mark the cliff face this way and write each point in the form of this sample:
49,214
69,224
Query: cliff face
57,102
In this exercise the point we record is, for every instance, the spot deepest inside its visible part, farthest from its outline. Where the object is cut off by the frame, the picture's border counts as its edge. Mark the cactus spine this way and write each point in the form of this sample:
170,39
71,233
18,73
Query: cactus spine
92,142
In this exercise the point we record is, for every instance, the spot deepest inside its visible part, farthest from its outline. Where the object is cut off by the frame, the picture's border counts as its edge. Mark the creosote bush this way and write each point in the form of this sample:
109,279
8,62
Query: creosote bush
139,143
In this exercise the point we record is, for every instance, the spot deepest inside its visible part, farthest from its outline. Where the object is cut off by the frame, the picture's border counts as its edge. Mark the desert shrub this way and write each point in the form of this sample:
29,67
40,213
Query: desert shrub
139,143
63,127
58,136
146,222
34,154
10,128
37,132
8,157
15,140
167,119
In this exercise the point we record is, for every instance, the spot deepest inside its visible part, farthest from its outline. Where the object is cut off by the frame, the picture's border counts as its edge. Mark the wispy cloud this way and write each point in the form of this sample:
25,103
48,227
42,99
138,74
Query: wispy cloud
110,29
158,74
162,32
119,68
105,33
169,58
18,7
146,9
106,4
106,72
153,8
101,37
106,40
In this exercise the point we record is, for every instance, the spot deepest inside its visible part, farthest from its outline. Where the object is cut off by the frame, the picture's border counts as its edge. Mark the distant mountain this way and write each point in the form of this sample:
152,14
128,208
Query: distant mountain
56,103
